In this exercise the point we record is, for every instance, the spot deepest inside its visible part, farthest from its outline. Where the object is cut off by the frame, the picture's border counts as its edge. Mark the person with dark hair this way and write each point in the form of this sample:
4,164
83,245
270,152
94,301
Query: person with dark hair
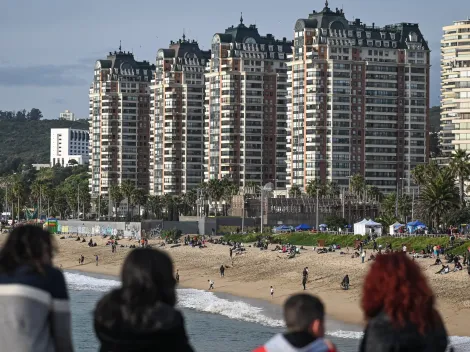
33,294
304,316
141,314
345,283
398,305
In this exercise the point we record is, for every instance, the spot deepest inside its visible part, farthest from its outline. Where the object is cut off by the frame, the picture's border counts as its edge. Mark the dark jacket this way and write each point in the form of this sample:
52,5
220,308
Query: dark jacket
381,336
162,330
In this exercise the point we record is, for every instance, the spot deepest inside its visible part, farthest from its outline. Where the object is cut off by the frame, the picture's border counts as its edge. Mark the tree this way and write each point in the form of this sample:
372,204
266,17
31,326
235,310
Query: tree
439,197
18,191
335,222
295,191
460,168
154,206
139,197
35,114
229,189
127,189
358,184
313,186
73,162
215,192
116,196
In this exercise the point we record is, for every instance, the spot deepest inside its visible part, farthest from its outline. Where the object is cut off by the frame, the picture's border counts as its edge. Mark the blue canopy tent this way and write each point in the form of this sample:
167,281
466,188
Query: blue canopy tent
414,225
282,228
303,227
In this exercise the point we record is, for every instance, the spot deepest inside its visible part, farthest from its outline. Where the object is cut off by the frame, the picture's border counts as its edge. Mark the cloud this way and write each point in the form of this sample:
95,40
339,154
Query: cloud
58,101
43,75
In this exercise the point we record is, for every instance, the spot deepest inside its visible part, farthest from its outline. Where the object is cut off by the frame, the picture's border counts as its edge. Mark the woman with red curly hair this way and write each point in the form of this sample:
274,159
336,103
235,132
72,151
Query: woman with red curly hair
398,305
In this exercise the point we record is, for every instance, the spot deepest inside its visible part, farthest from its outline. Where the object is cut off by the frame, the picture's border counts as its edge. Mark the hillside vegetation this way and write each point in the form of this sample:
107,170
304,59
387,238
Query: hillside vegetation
28,141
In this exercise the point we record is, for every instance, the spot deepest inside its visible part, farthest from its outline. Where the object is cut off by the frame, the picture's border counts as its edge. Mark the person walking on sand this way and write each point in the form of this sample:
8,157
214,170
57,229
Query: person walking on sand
363,256
222,271
177,276
96,258
304,282
272,292
211,284
231,252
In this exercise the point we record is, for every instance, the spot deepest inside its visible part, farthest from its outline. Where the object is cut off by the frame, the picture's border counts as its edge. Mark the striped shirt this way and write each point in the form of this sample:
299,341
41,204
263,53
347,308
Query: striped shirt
34,311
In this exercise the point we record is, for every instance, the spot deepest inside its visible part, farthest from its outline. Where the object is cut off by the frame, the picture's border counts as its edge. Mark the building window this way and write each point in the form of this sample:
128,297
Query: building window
368,35
370,43
394,44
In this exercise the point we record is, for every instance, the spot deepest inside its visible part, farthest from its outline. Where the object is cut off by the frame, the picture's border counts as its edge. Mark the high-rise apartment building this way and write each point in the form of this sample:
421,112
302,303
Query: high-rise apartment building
358,101
67,115
177,111
245,115
68,144
455,88
119,122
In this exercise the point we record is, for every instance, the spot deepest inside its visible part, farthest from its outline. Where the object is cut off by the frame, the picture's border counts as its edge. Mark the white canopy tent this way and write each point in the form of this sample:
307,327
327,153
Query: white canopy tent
394,227
365,227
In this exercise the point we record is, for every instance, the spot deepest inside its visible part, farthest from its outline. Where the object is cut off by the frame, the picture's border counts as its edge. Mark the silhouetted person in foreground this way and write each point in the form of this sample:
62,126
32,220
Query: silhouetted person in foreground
33,295
304,316
141,315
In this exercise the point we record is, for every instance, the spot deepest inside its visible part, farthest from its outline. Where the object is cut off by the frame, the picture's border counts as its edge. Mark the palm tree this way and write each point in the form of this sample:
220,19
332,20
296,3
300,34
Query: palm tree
18,194
154,206
127,189
419,175
312,187
139,197
460,168
295,191
332,189
358,184
215,192
229,190
439,196
116,196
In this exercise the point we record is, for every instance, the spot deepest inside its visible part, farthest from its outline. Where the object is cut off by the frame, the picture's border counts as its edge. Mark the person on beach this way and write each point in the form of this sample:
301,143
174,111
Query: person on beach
363,256
272,291
96,259
83,259
345,283
33,294
304,282
304,316
141,314
222,271
211,284
177,276
231,253
400,320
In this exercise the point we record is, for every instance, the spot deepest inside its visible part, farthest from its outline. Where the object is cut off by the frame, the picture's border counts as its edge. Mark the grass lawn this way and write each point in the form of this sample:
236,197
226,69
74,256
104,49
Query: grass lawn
310,239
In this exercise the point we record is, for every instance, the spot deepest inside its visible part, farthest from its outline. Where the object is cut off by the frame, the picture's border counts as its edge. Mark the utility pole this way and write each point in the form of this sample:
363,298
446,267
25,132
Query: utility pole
99,207
78,201
316,213
412,206
243,211
396,203
262,209
39,208
343,200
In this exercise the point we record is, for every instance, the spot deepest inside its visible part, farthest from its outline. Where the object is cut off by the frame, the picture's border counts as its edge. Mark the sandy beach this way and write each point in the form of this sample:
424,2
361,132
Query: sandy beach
252,274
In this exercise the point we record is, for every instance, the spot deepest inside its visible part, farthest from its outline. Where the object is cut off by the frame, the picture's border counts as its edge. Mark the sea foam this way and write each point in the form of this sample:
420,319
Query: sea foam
208,302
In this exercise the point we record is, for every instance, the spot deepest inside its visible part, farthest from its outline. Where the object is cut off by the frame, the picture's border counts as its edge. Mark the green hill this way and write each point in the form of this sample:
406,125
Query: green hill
28,141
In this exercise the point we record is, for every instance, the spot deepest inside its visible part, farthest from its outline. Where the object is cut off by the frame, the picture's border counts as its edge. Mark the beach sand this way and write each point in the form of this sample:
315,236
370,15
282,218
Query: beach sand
252,274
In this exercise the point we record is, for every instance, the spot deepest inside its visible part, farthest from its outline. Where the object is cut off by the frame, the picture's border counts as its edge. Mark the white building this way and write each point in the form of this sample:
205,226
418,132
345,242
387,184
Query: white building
69,144
67,115
455,88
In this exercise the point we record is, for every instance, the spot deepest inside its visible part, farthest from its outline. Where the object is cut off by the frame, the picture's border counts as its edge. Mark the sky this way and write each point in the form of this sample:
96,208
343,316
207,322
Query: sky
48,48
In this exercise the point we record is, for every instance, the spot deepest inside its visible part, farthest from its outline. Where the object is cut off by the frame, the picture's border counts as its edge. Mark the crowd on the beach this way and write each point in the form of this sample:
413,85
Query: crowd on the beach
141,315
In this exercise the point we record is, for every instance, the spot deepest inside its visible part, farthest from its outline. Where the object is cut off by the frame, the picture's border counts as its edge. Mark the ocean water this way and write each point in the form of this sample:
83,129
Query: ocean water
214,322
